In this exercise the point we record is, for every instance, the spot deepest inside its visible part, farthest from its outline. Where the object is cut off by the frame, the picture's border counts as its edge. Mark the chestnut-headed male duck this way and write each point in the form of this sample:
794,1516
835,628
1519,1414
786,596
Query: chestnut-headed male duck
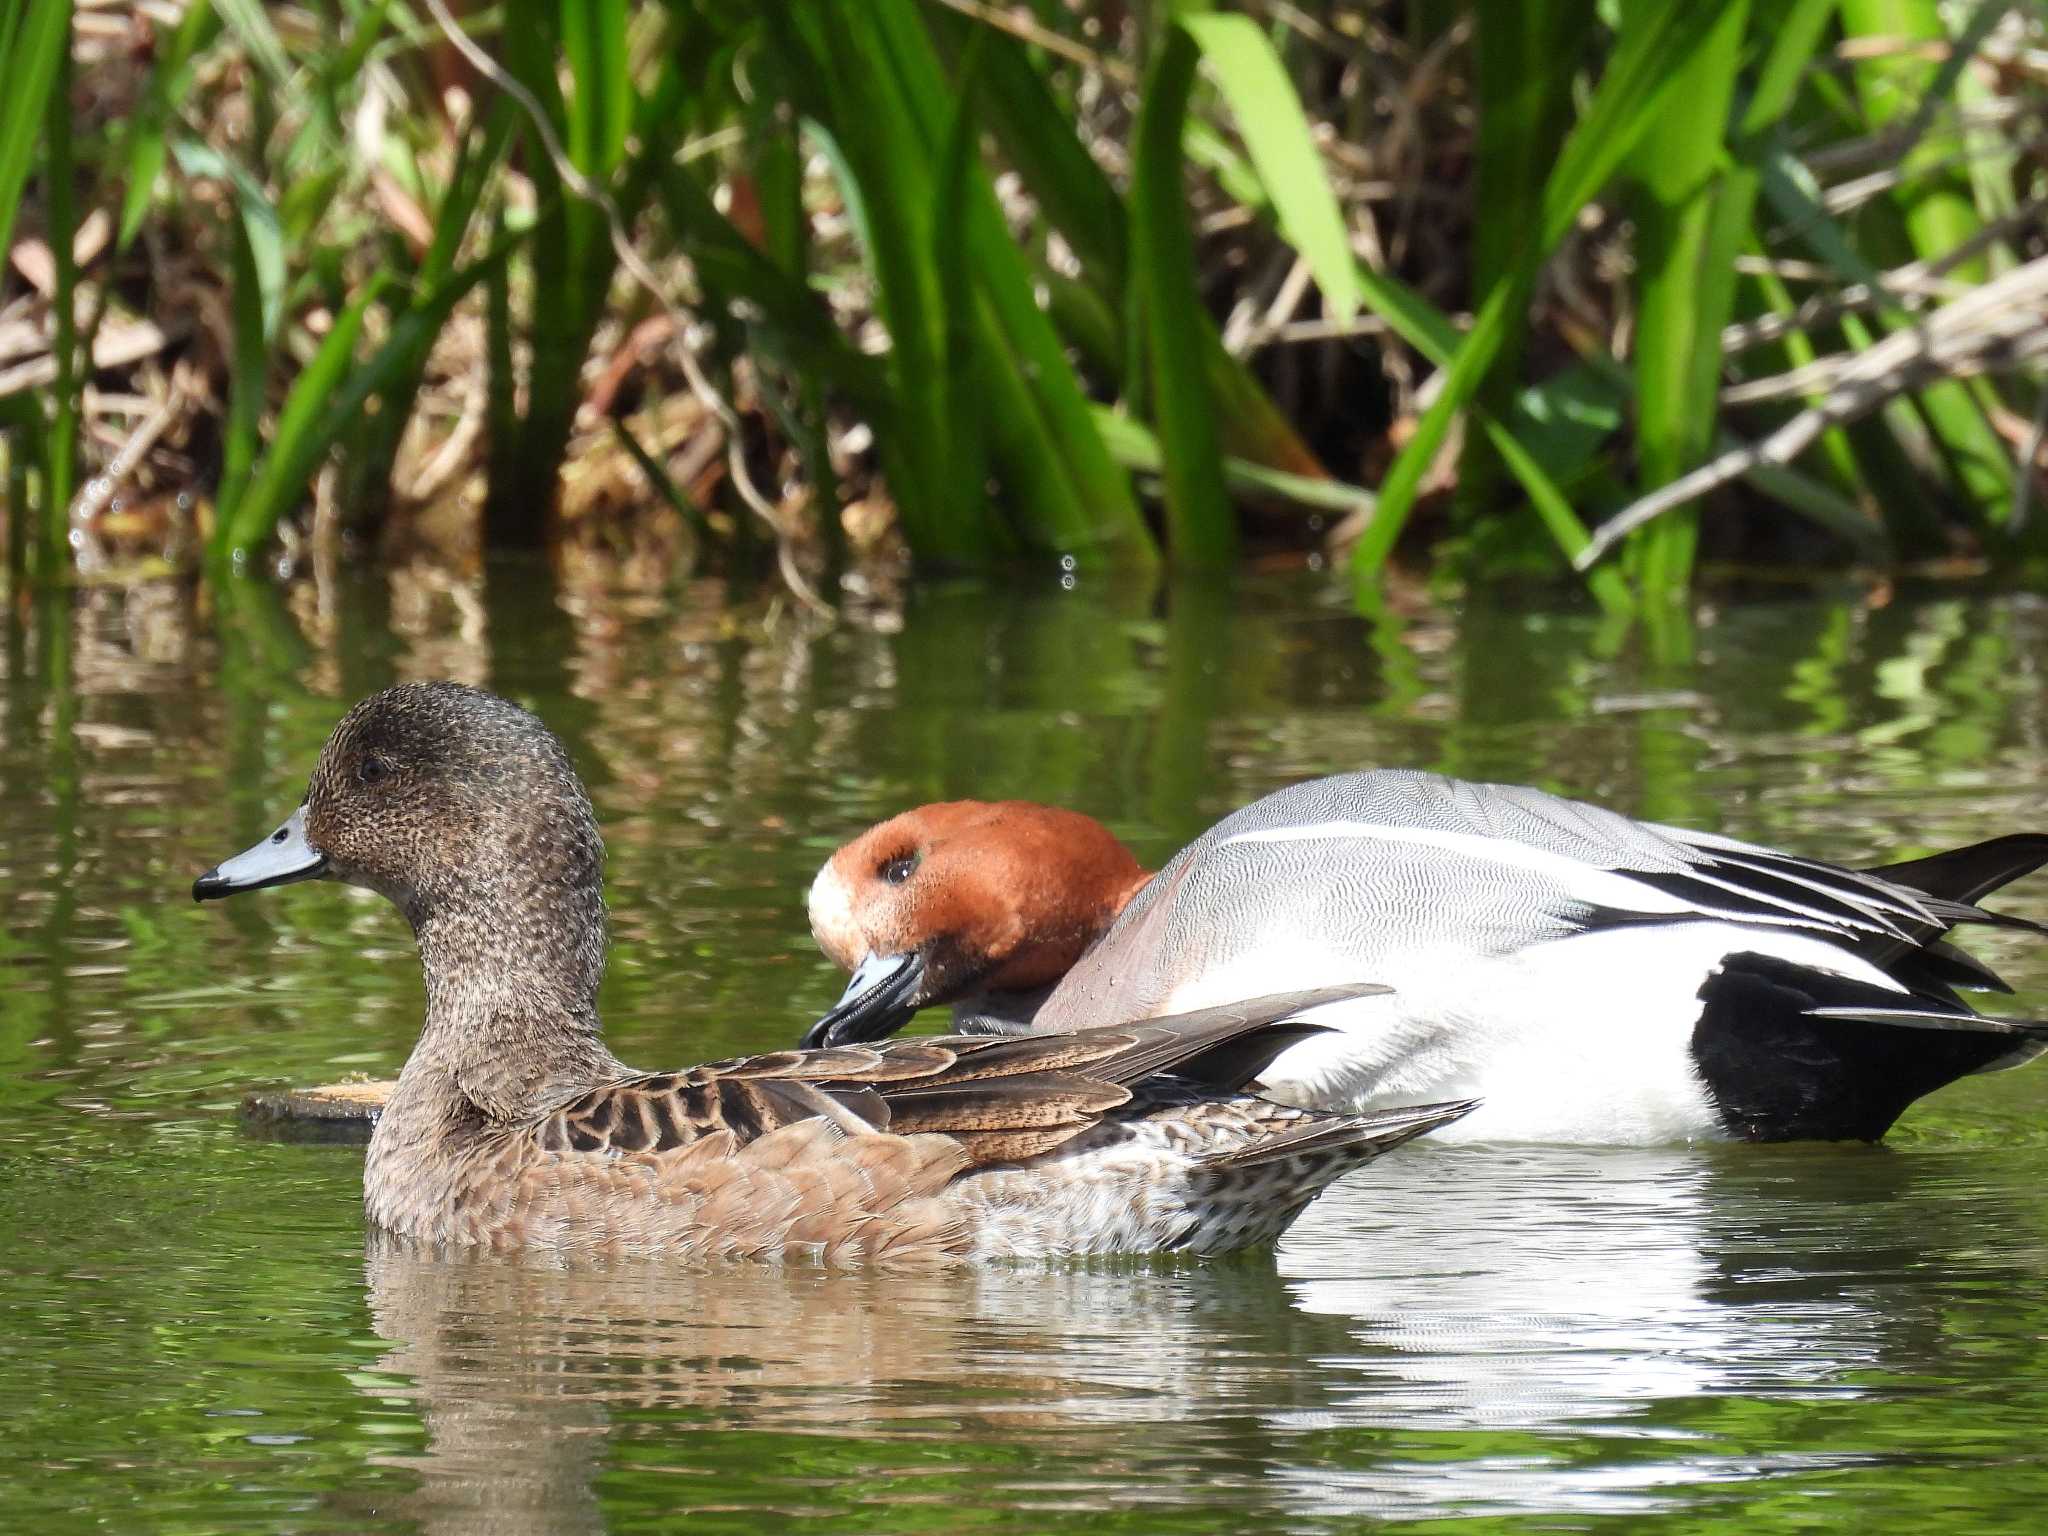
983,905
513,1126
1590,978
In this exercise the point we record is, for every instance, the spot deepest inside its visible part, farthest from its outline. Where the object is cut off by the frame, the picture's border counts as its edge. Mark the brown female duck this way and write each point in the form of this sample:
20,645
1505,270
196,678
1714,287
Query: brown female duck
512,1125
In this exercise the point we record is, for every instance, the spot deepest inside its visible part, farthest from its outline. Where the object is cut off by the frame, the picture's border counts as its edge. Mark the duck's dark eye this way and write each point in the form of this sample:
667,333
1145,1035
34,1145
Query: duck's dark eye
898,870
372,769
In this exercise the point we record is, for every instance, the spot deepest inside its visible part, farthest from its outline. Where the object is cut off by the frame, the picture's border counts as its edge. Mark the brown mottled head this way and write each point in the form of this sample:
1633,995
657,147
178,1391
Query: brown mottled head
438,796
951,900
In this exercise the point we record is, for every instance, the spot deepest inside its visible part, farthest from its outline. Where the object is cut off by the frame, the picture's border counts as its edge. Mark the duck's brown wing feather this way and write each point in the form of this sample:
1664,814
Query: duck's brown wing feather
844,1155
1004,1098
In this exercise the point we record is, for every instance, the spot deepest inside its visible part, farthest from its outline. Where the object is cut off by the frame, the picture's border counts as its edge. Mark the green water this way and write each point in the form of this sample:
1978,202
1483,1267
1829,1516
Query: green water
195,1337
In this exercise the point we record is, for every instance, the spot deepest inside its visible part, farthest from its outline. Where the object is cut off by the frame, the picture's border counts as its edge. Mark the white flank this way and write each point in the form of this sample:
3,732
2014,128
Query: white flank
1585,1039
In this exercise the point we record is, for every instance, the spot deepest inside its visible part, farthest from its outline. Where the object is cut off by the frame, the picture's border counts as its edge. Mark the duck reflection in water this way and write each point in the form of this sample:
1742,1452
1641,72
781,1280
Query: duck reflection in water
1640,1295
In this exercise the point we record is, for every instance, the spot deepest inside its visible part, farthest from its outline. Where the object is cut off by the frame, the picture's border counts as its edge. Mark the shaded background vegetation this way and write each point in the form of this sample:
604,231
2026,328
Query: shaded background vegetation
1077,281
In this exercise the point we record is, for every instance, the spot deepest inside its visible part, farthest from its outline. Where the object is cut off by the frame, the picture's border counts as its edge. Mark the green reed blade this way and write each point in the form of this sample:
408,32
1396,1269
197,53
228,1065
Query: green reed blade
1526,60
1241,60
332,389
1631,91
569,248
250,23
791,314
600,107
248,375
60,452
1685,289
1201,524
1036,133
1427,329
961,339
141,143
882,165
1061,489
1034,129
33,54
1943,420
664,483
1137,448
304,426
1936,210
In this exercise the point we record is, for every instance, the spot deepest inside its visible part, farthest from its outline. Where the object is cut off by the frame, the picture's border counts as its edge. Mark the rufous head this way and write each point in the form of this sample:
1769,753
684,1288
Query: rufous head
954,899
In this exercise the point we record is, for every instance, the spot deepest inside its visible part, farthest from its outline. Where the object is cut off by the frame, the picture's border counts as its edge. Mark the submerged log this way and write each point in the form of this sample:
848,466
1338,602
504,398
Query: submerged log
332,1112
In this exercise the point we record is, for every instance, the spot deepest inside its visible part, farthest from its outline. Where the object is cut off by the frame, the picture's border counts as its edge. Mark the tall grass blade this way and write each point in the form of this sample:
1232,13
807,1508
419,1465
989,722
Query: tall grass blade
1795,31
1419,323
250,23
297,440
1904,85
331,391
1268,114
951,191
1060,489
1063,492
883,175
31,57
1525,63
1202,527
256,309
1035,132
1911,437
370,443
792,321
60,452
569,247
21,434
1630,92
1686,290
664,484
1136,448
143,134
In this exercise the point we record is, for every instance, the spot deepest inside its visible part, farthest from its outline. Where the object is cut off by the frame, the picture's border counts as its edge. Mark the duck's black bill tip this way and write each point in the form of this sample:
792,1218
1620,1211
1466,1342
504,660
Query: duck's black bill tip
280,859
879,1000
213,885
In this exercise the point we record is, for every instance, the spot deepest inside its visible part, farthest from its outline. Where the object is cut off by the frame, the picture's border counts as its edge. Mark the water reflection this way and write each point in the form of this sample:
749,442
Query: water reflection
520,1370
1560,1301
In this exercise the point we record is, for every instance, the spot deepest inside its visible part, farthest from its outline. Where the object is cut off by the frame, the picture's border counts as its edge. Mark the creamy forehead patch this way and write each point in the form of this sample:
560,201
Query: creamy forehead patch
833,925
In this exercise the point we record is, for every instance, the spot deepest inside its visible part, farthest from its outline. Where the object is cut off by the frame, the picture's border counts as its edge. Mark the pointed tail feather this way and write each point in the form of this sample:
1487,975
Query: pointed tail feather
1348,1140
1938,1018
1968,874
1802,990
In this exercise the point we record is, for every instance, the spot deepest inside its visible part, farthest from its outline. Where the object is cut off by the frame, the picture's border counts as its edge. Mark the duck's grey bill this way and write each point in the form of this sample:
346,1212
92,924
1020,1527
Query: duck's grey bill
279,859
875,1003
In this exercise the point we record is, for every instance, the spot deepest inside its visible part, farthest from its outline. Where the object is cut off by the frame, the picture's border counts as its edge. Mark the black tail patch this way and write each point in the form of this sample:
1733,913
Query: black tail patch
1779,1072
